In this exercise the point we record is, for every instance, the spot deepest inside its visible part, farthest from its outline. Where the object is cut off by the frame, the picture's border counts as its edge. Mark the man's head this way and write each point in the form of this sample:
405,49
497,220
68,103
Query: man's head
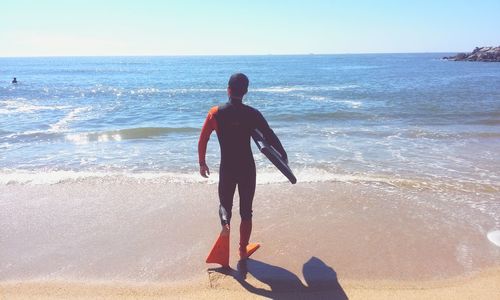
237,86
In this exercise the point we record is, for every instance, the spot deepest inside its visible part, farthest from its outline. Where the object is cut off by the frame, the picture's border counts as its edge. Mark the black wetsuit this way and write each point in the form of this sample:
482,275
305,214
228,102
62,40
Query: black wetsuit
234,124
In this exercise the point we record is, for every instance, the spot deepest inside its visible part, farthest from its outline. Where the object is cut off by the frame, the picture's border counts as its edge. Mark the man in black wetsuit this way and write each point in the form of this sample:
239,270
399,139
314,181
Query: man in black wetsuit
234,123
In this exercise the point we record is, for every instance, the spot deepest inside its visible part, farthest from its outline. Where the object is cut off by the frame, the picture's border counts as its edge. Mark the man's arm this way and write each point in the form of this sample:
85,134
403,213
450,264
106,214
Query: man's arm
209,126
270,136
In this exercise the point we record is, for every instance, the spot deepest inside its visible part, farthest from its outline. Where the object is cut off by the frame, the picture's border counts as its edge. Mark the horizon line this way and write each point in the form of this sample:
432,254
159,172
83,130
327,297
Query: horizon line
207,55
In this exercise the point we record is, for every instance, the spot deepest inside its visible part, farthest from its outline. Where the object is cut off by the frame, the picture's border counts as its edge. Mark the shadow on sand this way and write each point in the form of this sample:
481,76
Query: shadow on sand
321,280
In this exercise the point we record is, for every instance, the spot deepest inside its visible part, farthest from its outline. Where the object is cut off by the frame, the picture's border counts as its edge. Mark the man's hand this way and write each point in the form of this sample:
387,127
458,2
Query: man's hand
204,171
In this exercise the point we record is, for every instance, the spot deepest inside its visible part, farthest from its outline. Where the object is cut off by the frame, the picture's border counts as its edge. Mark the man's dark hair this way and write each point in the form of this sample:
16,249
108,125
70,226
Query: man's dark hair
239,84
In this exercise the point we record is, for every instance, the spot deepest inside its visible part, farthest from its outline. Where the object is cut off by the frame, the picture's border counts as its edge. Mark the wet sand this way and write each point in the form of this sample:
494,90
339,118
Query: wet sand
100,238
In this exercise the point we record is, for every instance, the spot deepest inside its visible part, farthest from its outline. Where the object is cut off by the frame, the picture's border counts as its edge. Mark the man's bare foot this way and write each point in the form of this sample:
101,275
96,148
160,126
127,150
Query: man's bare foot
243,254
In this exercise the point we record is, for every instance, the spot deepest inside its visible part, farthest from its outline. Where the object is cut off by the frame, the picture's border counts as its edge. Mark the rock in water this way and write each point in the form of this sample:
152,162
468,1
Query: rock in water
487,54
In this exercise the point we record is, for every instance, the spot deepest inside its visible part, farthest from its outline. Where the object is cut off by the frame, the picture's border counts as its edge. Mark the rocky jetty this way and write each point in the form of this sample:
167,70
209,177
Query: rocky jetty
490,54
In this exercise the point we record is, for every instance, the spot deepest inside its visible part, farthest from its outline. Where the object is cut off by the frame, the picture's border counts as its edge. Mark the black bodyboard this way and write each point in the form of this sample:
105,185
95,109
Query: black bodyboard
273,155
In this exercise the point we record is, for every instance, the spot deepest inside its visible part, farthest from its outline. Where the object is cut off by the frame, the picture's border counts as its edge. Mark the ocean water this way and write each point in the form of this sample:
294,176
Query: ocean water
410,120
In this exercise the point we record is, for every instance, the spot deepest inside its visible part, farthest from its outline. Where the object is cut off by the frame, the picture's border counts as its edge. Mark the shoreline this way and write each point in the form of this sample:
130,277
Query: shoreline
482,285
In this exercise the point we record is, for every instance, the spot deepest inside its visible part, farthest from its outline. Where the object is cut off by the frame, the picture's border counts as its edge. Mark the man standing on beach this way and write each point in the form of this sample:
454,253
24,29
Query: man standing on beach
234,123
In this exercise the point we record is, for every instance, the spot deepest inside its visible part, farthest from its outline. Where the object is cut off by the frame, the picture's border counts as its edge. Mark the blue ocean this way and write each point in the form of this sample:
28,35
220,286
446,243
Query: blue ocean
410,120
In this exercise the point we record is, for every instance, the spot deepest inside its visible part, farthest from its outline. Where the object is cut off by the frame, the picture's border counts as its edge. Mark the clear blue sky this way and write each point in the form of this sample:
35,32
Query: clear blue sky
188,27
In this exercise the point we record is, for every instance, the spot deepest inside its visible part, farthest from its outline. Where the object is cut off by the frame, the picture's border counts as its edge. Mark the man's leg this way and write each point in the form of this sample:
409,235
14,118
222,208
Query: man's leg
227,186
220,251
246,190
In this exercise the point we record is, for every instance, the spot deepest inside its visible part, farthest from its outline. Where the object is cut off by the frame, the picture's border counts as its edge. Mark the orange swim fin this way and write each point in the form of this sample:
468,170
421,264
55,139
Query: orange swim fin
250,249
246,249
220,251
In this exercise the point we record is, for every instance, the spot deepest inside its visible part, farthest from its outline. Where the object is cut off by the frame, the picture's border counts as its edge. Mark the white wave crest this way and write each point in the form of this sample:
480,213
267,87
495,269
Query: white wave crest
289,89
21,105
62,125
266,176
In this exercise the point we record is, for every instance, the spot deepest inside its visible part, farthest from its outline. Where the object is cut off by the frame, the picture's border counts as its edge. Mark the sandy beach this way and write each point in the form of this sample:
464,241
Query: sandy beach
481,286
145,238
